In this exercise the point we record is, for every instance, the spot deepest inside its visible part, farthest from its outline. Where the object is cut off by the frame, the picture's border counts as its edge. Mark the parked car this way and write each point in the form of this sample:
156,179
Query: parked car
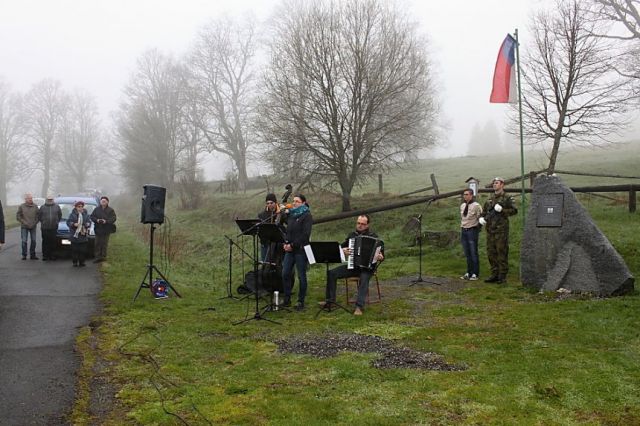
62,236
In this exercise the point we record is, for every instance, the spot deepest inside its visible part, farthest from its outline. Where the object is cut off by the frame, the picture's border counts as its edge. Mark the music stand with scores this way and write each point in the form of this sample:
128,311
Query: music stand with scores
328,252
252,227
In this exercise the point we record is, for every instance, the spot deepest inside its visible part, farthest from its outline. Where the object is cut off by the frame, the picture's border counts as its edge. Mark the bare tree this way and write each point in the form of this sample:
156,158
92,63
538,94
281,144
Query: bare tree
13,158
44,109
571,90
349,91
78,138
221,65
150,119
625,15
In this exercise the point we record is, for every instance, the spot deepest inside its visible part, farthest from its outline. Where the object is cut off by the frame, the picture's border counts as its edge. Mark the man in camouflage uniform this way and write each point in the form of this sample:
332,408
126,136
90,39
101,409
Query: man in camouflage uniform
495,219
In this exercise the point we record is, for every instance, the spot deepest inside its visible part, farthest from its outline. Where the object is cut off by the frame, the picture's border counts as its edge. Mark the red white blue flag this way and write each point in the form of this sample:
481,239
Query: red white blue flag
504,76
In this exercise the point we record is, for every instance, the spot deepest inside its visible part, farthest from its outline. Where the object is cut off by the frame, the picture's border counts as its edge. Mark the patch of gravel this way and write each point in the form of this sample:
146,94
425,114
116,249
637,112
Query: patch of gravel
392,356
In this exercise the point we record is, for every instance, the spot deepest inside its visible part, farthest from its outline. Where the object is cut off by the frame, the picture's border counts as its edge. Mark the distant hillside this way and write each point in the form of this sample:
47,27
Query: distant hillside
451,173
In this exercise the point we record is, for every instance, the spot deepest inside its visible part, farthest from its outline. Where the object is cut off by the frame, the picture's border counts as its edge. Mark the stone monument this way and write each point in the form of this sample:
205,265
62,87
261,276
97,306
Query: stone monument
562,248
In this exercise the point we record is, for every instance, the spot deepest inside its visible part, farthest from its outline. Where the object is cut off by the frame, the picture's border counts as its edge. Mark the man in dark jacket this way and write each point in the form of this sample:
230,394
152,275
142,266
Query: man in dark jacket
1,225
342,271
49,215
495,219
104,219
27,216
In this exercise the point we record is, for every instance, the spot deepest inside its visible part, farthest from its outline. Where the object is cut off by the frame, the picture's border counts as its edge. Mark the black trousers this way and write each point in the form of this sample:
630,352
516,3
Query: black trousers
48,243
78,252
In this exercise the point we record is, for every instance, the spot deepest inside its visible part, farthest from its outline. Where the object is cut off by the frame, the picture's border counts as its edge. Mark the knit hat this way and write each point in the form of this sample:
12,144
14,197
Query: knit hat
78,203
271,197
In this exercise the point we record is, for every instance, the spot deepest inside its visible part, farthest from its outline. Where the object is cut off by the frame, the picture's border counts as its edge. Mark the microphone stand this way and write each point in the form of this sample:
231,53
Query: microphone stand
420,279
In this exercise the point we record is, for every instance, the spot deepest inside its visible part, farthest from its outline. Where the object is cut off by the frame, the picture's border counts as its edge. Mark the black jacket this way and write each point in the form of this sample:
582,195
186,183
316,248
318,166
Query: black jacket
1,224
71,223
49,216
299,231
107,214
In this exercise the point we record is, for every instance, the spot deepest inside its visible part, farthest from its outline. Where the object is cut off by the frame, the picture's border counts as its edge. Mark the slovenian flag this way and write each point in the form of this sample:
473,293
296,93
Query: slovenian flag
504,76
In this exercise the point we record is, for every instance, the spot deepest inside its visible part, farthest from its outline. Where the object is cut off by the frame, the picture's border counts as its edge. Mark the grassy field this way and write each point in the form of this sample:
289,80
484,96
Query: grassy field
519,357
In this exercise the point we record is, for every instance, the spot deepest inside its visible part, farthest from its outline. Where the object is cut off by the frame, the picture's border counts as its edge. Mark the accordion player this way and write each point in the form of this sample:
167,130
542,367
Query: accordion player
363,252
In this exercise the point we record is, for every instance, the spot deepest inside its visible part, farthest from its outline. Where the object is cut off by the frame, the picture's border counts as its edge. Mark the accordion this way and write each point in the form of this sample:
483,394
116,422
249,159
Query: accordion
363,252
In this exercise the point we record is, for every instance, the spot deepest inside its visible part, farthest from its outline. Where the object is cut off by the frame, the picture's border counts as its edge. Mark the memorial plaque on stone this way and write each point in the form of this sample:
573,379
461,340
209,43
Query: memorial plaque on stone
550,210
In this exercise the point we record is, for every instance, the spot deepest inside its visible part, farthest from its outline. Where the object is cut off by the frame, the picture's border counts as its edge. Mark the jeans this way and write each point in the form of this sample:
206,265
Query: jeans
300,260
342,272
469,239
24,235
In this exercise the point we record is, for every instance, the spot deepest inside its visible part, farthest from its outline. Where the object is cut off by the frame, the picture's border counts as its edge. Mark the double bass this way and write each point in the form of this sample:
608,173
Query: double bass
271,271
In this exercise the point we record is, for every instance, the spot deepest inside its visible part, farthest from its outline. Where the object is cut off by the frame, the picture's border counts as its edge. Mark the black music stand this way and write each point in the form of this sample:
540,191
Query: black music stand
273,234
327,252
252,227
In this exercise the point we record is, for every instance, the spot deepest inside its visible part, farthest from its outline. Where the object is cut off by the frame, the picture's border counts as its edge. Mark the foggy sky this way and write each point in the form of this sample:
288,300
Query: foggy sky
94,45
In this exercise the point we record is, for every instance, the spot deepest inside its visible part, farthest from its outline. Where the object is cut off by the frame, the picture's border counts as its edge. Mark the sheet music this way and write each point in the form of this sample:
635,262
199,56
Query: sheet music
310,257
342,258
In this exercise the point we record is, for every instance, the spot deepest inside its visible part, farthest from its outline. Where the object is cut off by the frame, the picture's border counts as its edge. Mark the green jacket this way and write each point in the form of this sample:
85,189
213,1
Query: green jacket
27,215
499,222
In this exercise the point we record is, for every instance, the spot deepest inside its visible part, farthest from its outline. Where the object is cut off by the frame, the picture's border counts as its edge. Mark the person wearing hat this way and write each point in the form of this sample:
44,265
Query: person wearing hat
79,224
495,219
49,215
27,216
270,214
104,218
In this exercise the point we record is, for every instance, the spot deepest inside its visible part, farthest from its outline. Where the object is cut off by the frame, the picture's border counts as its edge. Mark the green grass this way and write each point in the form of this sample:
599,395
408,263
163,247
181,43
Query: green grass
530,358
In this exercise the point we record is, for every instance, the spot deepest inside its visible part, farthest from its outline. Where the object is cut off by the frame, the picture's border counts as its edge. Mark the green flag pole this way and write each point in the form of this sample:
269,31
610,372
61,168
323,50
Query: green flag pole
524,202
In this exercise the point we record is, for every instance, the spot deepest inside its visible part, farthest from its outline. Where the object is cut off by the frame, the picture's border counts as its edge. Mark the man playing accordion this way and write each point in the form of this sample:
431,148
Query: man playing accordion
359,270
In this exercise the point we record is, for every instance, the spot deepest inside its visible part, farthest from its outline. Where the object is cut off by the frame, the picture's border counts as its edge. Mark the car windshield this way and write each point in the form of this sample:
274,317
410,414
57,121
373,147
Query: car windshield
67,208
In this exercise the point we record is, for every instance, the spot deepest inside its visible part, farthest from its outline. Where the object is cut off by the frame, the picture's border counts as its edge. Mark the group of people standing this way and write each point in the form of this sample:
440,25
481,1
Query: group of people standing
494,217
297,234
79,222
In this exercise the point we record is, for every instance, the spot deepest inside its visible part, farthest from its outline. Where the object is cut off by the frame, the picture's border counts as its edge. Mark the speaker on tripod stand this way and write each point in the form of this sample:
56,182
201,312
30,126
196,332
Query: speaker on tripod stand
152,212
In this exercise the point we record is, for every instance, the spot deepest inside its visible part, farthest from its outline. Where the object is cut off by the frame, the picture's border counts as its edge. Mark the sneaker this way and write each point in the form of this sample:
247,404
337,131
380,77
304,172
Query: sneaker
358,311
299,306
473,277
465,276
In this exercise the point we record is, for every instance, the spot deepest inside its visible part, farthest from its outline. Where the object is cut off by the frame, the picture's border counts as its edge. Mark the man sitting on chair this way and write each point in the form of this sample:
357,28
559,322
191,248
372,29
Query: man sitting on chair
362,229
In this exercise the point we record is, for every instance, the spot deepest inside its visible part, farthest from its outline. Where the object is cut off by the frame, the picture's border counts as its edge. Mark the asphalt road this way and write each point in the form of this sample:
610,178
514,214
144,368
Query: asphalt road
42,306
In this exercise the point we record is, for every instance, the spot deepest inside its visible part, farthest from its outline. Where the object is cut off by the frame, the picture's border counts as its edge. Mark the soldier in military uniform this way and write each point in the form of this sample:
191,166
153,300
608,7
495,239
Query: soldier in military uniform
495,219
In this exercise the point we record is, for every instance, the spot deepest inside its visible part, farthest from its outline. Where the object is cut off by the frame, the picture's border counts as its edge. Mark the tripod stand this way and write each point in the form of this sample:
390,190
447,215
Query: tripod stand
420,279
252,227
150,268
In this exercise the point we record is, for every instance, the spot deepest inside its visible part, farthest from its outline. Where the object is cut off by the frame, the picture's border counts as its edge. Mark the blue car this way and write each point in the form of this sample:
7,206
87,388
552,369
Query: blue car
63,234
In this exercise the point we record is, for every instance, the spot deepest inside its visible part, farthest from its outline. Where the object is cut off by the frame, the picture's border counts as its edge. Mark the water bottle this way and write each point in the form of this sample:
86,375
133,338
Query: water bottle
275,300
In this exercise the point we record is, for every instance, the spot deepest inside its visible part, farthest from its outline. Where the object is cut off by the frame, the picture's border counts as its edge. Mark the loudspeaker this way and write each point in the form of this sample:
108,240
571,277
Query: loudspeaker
152,210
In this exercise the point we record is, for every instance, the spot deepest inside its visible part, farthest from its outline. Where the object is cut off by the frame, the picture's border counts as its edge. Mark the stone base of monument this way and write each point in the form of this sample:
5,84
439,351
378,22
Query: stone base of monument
562,248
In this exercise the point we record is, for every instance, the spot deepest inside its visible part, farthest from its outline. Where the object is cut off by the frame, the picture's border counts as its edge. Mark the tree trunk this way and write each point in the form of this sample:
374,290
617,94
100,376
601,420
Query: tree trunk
243,179
554,153
46,171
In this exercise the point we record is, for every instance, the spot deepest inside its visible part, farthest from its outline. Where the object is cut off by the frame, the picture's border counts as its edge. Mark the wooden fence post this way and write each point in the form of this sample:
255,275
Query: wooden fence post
380,183
632,200
434,184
